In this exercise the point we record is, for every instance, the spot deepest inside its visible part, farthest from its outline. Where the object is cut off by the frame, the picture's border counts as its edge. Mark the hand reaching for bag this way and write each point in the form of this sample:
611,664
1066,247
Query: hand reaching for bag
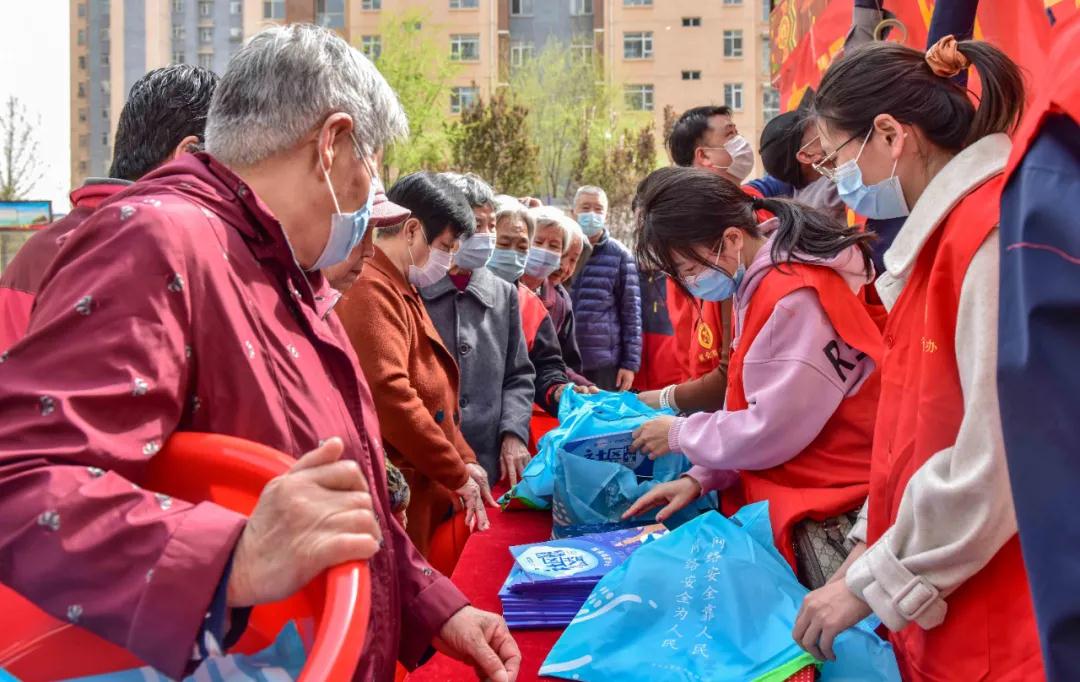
653,437
673,495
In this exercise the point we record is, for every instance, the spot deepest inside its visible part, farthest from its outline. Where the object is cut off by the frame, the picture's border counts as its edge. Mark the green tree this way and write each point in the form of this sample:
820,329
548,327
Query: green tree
493,141
21,167
420,71
618,166
566,97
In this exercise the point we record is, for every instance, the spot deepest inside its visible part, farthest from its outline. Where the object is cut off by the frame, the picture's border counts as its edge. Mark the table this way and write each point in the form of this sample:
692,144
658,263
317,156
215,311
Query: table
484,564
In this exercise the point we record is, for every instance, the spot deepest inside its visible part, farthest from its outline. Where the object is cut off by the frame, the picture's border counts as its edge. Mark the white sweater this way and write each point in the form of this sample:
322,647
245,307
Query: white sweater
956,512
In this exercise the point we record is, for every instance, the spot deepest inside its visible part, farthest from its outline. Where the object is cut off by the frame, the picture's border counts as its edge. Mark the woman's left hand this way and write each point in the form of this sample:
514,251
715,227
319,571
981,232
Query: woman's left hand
825,613
652,437
586,390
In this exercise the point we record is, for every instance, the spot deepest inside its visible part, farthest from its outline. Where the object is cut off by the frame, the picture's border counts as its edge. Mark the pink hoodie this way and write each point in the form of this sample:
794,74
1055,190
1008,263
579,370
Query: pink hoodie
793,385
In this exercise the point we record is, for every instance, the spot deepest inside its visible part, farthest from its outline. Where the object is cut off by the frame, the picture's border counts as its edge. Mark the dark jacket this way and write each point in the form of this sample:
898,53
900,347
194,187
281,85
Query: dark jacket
560,308
607,305
481,326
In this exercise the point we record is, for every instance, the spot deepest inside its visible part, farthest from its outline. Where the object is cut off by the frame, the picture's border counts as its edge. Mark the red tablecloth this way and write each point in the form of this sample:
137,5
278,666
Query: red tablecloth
480,572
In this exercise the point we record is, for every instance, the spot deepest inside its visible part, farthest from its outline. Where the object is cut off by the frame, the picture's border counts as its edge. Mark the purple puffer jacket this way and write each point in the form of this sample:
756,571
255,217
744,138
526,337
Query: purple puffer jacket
607,308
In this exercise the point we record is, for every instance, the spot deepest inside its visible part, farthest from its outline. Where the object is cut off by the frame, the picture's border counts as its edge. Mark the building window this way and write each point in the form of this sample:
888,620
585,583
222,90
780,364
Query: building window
178,57
105,114
82,90
82,167
206,8
206,60
82,63
274,9
582,51
521,8
732,2
733,96
82,37
206,35
105,59
464,4
463,98
236,8
178,6
766,9
733,44
106,87
465,47
104,139
371,4
637,3
639,97
84,141
82,115
178,32
236,34
371,46
520,53
691,75
330,13
770,103
581,8
637,45
103,34
82,9
691,22
766,52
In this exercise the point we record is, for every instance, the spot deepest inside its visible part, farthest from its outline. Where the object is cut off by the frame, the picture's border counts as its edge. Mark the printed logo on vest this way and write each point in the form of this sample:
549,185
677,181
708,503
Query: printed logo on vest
929,345
705,336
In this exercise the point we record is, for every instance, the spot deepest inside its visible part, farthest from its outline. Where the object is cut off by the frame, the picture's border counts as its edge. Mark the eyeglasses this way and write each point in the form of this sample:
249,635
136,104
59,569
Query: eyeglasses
827,166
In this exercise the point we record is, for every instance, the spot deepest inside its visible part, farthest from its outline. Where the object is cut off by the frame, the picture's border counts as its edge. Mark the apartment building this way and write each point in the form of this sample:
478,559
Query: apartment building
681,53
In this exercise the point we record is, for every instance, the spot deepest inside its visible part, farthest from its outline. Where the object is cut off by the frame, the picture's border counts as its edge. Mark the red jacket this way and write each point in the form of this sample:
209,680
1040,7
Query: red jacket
22,278
830,476
989,630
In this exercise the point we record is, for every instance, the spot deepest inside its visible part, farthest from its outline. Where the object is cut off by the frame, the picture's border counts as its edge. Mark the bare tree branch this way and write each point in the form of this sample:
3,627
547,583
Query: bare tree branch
22,167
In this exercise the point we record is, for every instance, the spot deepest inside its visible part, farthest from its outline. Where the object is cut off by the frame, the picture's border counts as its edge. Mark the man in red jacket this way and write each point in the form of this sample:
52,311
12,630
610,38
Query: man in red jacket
164,117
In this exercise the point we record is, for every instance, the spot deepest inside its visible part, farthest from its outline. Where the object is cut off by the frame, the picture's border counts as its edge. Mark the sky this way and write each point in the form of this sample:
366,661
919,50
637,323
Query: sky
34,67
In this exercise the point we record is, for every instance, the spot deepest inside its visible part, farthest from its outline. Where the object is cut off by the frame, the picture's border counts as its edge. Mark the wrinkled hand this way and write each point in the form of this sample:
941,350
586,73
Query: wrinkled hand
402,518
482,640
624,380
584,390
825,613
674,495
513,458
650,398
477,473
472,499
314,517
651,437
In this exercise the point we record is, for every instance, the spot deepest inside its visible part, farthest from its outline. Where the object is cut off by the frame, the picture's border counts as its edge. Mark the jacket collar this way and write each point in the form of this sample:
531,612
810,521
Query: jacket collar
96,190
966,171
481,287
382,263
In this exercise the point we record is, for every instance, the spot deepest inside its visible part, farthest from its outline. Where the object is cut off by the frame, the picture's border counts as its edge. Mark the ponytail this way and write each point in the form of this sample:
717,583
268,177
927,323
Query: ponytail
678,209
916,88
806,235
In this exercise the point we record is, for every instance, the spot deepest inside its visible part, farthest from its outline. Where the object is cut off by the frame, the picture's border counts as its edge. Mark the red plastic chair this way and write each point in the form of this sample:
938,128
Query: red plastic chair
230,472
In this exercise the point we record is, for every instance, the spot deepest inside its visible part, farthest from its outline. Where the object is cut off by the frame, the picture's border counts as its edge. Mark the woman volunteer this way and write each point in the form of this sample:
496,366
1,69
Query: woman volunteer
943,569
802,390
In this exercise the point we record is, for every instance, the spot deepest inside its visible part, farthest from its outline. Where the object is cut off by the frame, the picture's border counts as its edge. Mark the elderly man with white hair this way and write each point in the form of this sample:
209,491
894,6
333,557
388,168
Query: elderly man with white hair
194,301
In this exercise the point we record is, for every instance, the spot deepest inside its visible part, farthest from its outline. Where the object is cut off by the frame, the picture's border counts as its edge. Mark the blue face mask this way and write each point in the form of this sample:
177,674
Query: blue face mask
475,252
346,229
508,264
714,285
882,200
592,224
541,263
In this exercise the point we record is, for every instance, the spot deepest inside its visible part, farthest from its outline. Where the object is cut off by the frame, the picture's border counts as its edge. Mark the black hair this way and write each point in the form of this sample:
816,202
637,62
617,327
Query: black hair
680,208
888,78
163,107
436,202
781,140
687,132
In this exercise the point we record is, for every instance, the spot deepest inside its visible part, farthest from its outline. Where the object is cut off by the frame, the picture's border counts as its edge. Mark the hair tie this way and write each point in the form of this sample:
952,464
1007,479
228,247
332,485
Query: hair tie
944,58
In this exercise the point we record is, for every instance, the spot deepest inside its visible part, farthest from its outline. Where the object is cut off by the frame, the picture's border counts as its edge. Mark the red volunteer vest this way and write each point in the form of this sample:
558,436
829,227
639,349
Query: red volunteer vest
533,313
699,331
831,475
989,631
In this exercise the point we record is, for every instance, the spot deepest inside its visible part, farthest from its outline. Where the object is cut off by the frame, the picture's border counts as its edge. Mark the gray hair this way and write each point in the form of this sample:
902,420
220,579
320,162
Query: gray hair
546,216
477,192
515,209
285,82
591,189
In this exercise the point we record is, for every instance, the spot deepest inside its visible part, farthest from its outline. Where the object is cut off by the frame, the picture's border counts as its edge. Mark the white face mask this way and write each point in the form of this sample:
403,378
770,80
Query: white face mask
742,157
436,267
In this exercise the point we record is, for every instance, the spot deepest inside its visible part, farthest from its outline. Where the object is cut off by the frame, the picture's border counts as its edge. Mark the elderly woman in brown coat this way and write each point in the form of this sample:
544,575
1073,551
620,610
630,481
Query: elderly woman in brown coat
413,376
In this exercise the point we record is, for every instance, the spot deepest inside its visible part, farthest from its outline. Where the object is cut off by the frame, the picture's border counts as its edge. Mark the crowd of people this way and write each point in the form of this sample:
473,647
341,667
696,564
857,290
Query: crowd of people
244,271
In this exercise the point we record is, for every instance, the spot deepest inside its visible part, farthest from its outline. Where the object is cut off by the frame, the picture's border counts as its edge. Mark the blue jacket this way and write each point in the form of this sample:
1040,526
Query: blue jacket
607,308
